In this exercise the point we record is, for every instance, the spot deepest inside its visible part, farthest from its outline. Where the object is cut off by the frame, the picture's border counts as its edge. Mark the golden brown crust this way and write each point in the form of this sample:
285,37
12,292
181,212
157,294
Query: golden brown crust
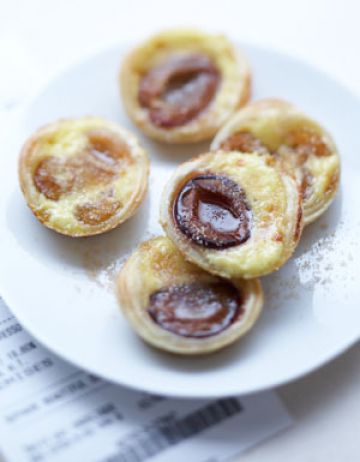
233,92
275,203
157,264
295,139
82,177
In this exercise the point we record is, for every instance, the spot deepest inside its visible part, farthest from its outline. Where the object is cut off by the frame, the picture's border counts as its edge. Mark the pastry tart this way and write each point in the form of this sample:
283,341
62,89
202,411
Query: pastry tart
83,176
182,85
278,128
233,214
177,307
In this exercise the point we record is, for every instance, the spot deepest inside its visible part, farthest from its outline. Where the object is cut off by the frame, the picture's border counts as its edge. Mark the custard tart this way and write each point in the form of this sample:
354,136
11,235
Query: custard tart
233,214
278,128
177,307
83,176
182,85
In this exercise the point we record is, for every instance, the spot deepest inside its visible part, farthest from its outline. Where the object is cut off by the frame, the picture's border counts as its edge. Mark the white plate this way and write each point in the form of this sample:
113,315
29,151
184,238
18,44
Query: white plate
58,287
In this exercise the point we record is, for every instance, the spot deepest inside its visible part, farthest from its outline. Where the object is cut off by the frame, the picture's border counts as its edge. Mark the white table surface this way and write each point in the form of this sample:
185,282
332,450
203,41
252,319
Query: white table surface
43,36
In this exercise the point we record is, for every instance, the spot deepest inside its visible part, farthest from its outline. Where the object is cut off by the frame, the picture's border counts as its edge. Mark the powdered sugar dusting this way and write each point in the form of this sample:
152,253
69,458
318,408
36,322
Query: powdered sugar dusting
103,263
329,261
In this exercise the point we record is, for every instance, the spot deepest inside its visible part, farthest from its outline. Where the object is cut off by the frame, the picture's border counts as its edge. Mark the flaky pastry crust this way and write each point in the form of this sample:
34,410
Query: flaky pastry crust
158,264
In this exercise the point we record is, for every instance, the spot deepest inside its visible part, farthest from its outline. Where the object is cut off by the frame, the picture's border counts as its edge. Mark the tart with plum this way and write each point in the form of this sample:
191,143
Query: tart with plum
182,85
83,176
233,214
177,307
278,128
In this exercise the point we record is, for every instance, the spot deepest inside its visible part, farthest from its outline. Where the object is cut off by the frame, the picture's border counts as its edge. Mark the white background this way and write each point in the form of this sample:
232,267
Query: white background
40,37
